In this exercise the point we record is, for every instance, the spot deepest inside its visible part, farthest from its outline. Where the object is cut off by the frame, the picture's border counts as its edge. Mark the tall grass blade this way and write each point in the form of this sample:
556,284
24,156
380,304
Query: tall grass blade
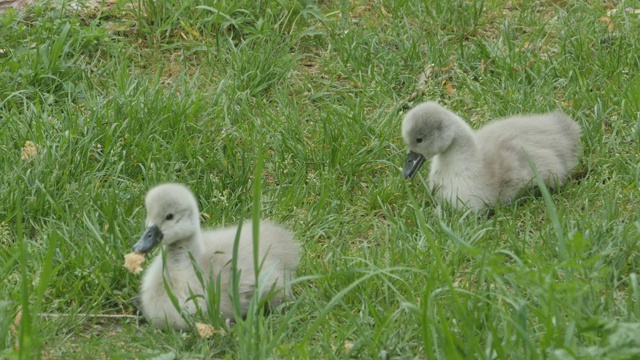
551,208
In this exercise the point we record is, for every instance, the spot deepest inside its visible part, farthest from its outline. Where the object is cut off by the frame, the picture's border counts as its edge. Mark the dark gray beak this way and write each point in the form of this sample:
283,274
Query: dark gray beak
150,239
413,163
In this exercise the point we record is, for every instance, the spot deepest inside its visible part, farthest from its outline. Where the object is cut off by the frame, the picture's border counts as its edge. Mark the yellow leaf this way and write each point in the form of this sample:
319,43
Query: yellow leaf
29,151
347,347
609,21
207,331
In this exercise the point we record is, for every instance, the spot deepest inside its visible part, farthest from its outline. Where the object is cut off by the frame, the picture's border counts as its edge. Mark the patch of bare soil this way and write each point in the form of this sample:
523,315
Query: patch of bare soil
19,5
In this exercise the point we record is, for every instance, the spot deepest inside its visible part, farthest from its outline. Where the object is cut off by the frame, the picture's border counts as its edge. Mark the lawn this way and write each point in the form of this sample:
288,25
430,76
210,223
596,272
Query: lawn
295,107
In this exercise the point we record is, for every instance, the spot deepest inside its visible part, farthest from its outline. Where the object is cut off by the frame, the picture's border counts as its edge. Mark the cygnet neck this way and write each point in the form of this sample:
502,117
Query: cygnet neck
463,150
181,248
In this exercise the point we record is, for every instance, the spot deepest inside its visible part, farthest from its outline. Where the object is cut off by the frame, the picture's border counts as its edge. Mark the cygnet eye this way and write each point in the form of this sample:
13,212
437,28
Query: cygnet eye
169,217
419,140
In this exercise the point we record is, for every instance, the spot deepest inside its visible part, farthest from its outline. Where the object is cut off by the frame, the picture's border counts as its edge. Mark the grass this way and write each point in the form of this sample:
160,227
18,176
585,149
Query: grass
119,98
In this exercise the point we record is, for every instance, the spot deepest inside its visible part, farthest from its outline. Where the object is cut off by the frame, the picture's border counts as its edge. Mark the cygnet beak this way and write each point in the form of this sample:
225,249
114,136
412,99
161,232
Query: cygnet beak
413,163
150,239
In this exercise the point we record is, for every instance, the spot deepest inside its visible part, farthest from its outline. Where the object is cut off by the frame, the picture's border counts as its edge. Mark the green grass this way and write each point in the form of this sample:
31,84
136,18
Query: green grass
208,93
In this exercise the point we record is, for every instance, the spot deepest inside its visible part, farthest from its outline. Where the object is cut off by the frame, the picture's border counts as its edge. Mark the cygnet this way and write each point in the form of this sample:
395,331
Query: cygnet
488,167
173,221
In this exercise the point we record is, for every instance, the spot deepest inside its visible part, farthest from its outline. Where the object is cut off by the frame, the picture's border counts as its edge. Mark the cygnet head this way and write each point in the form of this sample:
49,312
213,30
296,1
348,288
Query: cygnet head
172,215
427,131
